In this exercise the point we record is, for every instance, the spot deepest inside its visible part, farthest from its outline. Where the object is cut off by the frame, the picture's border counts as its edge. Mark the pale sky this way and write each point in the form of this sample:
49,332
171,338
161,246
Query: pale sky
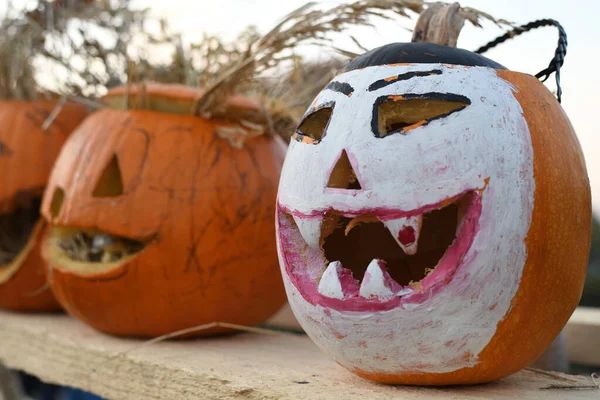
529,53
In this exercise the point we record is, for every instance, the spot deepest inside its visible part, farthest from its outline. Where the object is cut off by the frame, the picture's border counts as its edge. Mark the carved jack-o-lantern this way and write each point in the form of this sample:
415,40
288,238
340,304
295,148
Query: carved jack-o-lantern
433,217
27,153
158,224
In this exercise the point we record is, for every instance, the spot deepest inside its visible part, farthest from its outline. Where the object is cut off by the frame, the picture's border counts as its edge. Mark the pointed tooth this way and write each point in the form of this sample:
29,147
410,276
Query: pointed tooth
406,232
310,229
330,284
377,282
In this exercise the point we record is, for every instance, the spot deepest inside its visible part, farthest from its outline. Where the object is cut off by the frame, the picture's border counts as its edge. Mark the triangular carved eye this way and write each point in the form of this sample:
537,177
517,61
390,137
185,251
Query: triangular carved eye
110,183
343,175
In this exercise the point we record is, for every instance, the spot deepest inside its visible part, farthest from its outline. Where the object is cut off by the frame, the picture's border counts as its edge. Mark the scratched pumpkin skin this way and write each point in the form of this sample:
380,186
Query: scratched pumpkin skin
27,153
433,217
203,210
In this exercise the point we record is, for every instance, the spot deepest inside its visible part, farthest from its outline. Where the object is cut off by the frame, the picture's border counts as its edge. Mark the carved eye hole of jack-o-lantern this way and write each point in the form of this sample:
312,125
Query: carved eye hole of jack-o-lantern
27,153
157,223
424,221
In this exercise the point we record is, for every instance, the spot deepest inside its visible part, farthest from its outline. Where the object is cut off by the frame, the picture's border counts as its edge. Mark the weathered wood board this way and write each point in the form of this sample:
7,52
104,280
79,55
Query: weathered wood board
59,349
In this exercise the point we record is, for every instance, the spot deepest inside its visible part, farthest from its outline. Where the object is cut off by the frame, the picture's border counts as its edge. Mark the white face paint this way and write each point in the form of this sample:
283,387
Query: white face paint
480,156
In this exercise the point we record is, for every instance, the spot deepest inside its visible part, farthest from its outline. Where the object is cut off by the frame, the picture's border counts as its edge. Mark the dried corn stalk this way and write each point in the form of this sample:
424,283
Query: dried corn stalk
63,36
303,26
307,25
74,47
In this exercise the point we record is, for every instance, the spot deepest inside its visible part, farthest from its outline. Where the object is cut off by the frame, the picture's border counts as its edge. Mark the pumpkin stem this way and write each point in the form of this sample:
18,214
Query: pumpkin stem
440,23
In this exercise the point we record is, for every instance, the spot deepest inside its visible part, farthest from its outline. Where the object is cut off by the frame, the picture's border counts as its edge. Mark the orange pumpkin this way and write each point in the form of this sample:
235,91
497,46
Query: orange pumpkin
196,214
27,153
434,217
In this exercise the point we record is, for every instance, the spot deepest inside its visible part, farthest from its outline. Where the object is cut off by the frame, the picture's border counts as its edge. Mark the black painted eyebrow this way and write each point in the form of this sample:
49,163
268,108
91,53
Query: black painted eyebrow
403,77
340,87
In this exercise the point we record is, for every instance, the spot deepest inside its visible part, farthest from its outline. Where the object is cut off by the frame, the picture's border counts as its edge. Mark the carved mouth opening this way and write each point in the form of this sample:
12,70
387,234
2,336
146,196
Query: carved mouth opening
89,250
16,229
409,257
380,258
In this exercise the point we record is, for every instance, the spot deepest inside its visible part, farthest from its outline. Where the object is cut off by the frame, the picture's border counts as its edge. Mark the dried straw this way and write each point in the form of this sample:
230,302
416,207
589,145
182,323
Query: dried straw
61,36
78,47
252,66
306,25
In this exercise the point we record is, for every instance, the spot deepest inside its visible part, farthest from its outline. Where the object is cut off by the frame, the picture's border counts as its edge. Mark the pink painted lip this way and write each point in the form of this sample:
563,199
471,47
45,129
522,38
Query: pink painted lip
304,265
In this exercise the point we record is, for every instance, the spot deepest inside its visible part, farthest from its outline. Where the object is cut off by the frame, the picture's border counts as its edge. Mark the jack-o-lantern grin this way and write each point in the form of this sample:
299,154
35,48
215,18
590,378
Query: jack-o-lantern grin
377,259
90,250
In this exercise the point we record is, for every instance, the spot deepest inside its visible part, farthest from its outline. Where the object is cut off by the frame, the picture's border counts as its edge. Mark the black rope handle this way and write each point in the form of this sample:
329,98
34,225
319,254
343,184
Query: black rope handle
559,55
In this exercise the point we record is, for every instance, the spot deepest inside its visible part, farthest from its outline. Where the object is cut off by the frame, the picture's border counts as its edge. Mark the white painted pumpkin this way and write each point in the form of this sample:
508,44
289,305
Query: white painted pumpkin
404,208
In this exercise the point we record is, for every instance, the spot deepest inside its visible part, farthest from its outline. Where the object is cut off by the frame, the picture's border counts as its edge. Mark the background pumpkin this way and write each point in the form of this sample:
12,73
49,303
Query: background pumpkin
35,123
27,153
201,209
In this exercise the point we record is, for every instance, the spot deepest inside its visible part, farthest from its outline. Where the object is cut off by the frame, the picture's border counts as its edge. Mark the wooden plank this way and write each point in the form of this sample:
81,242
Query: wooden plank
60,350
583,336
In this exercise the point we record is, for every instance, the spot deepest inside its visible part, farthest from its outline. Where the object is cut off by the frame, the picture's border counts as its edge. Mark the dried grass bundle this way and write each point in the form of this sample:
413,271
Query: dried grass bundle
306,25
74,47
64,36
287,97
17,43
249,66
253,65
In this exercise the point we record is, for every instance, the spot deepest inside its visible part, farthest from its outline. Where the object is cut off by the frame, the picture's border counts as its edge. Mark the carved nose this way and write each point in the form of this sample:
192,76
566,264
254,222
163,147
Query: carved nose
343,175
